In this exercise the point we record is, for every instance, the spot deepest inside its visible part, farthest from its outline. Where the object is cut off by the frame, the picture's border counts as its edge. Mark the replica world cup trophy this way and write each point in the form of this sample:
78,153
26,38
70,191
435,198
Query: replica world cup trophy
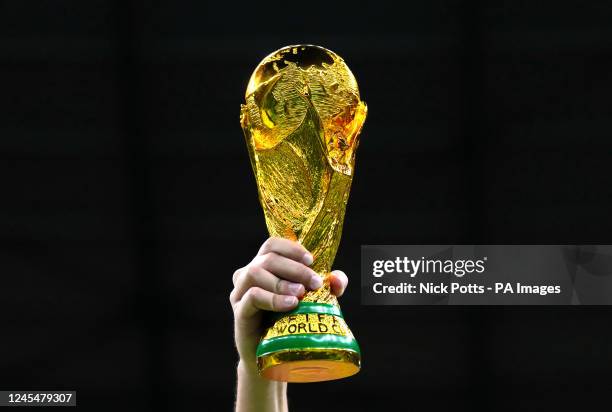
301,121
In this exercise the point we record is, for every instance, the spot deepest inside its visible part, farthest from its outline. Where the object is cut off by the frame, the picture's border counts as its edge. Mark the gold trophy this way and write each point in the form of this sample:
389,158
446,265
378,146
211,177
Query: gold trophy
301,122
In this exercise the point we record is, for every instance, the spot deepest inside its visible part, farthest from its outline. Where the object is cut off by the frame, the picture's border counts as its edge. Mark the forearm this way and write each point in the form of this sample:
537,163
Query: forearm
256,394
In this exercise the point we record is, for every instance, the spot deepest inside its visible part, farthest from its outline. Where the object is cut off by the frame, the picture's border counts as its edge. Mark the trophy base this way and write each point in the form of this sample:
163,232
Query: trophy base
312,365
311,343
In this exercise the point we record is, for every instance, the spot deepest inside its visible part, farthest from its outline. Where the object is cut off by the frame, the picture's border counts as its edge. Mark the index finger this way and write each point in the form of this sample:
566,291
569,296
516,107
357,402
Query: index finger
287,248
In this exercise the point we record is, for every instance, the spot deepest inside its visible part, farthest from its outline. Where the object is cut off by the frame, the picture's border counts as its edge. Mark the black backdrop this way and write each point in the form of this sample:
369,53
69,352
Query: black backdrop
128,200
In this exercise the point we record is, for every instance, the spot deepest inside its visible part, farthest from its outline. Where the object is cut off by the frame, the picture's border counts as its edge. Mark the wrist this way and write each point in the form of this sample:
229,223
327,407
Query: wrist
257,394
248,369
248,374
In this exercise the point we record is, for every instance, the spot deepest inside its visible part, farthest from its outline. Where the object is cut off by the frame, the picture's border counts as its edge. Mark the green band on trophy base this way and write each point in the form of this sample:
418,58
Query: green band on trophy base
307,341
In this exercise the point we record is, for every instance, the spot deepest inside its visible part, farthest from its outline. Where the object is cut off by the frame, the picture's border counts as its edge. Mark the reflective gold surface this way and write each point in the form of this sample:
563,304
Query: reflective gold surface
301,122
316,323
310,365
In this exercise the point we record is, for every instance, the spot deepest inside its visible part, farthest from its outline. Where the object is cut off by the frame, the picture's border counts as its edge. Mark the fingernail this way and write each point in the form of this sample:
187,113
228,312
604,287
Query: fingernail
307,259
316,282
295,288
290,300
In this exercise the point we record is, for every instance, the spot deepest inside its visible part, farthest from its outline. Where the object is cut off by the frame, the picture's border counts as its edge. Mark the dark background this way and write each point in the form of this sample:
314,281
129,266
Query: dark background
127,198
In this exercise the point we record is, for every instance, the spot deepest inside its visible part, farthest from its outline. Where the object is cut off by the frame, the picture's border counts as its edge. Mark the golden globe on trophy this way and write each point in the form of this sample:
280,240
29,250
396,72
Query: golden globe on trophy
301,121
